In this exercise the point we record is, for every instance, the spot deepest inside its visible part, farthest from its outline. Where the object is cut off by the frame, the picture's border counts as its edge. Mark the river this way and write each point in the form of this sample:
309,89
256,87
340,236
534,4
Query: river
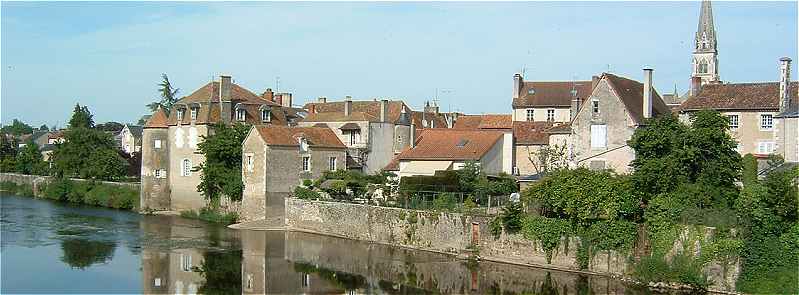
50,247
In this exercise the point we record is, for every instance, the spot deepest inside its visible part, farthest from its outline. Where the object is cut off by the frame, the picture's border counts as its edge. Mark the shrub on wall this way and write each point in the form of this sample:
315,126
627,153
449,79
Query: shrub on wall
305,193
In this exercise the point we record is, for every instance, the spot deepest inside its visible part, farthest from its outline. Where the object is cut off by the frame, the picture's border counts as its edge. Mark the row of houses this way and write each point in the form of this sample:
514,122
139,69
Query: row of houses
584,123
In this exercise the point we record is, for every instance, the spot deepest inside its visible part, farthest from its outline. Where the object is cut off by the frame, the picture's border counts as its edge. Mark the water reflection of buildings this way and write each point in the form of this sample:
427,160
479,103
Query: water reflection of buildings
298,263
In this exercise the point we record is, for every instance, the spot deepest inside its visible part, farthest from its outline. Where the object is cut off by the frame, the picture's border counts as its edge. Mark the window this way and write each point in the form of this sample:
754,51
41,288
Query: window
765,147
354,136
162,172
595,107
157,282
306,280
702,67
531,91
240,114
249,162
185,168
181,112
306,163
550,115
194,114
303,145
515,170
399,139
599,136
766,122
157,143
332,163
266,116
185,262
530,114
157,173
733,121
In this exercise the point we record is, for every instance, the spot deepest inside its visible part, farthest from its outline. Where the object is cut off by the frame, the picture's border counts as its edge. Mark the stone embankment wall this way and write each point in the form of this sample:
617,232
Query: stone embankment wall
35,181
456,233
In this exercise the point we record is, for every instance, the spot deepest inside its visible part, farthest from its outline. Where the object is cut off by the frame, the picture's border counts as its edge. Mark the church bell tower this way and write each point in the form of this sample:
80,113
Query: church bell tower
705,58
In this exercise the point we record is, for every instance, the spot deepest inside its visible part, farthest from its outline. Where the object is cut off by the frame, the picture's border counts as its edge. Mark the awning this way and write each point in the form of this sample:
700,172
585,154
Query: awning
350,126
417,167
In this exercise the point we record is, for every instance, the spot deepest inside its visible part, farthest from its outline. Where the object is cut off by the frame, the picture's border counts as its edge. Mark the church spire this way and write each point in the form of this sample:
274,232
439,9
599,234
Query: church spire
705,58
706,31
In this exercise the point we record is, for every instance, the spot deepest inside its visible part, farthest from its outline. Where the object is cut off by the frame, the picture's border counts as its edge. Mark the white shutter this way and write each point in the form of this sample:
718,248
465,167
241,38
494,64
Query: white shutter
599,136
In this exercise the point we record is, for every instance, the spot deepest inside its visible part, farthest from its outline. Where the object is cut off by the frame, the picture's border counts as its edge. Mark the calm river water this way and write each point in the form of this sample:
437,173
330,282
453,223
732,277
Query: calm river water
50,247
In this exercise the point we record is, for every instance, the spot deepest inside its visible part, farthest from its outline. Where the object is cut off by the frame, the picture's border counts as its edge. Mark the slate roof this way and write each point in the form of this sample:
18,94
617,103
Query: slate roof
484,122
737,96
135,130
362,110
287,136
631,93
449,144
551,94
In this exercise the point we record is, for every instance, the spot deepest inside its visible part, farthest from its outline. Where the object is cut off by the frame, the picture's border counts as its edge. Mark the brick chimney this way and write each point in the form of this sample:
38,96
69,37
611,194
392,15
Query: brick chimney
696,85
594,81
348,105
268,95
225,85
517,85
384,110
785,84
647,93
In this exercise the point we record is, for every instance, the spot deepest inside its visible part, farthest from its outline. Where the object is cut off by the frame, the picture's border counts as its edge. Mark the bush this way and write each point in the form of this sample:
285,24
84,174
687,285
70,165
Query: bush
548,231
305,193
59,189
211,215
682,269
8,186
495,226
512,217
445,202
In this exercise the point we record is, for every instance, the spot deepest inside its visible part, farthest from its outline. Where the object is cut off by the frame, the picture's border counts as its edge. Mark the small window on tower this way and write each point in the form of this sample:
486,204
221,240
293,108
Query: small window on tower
595,107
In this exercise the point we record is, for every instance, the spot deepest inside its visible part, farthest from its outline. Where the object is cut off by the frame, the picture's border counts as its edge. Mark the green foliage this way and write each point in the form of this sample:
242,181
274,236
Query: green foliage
610,235
582,196
681,269
110,126
17,128
92,193
749,169
783,189
29,160
221,271
512,217
25,190
81,118
495,226
442,181
211,214
670,154
305,193
221,171
168,94
307,183
445,202
548,231
468,176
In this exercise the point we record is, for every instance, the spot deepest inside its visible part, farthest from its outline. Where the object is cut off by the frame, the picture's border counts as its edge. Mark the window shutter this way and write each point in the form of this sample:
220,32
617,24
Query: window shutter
599,136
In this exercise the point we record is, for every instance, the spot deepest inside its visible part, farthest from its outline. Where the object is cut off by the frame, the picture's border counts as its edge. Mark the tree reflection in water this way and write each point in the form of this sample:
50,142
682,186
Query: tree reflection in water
82,253
222,272
341,280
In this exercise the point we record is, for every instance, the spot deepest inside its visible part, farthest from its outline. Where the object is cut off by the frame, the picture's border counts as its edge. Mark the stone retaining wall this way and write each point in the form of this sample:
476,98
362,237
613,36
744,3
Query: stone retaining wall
456,233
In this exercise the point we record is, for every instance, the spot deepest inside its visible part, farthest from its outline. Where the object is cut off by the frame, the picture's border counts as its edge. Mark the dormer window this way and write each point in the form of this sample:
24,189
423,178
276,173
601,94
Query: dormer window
531,91
303,145
240,115
181,114
194,113
266,115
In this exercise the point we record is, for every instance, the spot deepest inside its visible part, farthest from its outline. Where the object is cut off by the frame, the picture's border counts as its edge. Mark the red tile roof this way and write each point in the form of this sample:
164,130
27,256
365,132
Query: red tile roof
527,133
157,120
362,110
207,98
737,96
631,93
287,136
484,122
551,94
449,144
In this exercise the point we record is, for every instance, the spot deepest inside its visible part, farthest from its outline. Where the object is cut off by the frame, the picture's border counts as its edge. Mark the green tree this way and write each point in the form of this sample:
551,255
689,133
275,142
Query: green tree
168,96
8,152
82,253
17,128
110,126
29,160
81,118
749,169
221,171
44,128
468,176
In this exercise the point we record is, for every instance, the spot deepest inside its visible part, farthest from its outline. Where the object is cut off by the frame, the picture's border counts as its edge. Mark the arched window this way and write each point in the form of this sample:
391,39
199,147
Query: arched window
702,67
185,167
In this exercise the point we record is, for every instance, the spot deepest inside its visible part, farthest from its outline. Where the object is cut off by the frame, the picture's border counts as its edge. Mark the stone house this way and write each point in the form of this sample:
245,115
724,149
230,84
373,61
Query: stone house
449,149
276,159
601,127
529,139
493,122
169,142
752,110
373,131
130,138
548,101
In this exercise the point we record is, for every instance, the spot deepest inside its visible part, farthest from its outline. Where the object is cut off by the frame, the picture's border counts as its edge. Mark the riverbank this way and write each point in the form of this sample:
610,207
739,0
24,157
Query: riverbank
116,195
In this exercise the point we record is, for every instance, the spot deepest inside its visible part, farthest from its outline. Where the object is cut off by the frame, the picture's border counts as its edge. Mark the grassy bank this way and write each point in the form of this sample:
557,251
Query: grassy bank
80,192
211,215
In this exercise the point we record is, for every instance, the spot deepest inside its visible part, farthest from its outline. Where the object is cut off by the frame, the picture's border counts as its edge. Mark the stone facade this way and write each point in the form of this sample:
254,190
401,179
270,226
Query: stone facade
155,160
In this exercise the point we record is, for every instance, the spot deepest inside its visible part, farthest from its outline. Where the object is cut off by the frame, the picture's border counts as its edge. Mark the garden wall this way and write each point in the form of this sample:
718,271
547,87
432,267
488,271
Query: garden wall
457,233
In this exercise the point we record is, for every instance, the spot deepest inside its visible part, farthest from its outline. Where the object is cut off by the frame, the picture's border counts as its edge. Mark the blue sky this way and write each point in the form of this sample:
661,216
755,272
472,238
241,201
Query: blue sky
110,56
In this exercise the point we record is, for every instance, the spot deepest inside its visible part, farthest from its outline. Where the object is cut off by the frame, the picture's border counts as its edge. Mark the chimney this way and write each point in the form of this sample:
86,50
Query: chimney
647,93
785,83
285,99
517,85
412,137
594,81
348,106
696,85
312,109
224,88
268,95
428,108
322,99
384,110
575,106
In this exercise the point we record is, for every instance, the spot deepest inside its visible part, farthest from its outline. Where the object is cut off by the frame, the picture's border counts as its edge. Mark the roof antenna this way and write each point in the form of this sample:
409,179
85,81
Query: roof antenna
277,84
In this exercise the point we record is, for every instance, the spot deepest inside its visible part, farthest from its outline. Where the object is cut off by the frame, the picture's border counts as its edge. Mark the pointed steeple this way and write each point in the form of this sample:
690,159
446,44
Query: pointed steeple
706,30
